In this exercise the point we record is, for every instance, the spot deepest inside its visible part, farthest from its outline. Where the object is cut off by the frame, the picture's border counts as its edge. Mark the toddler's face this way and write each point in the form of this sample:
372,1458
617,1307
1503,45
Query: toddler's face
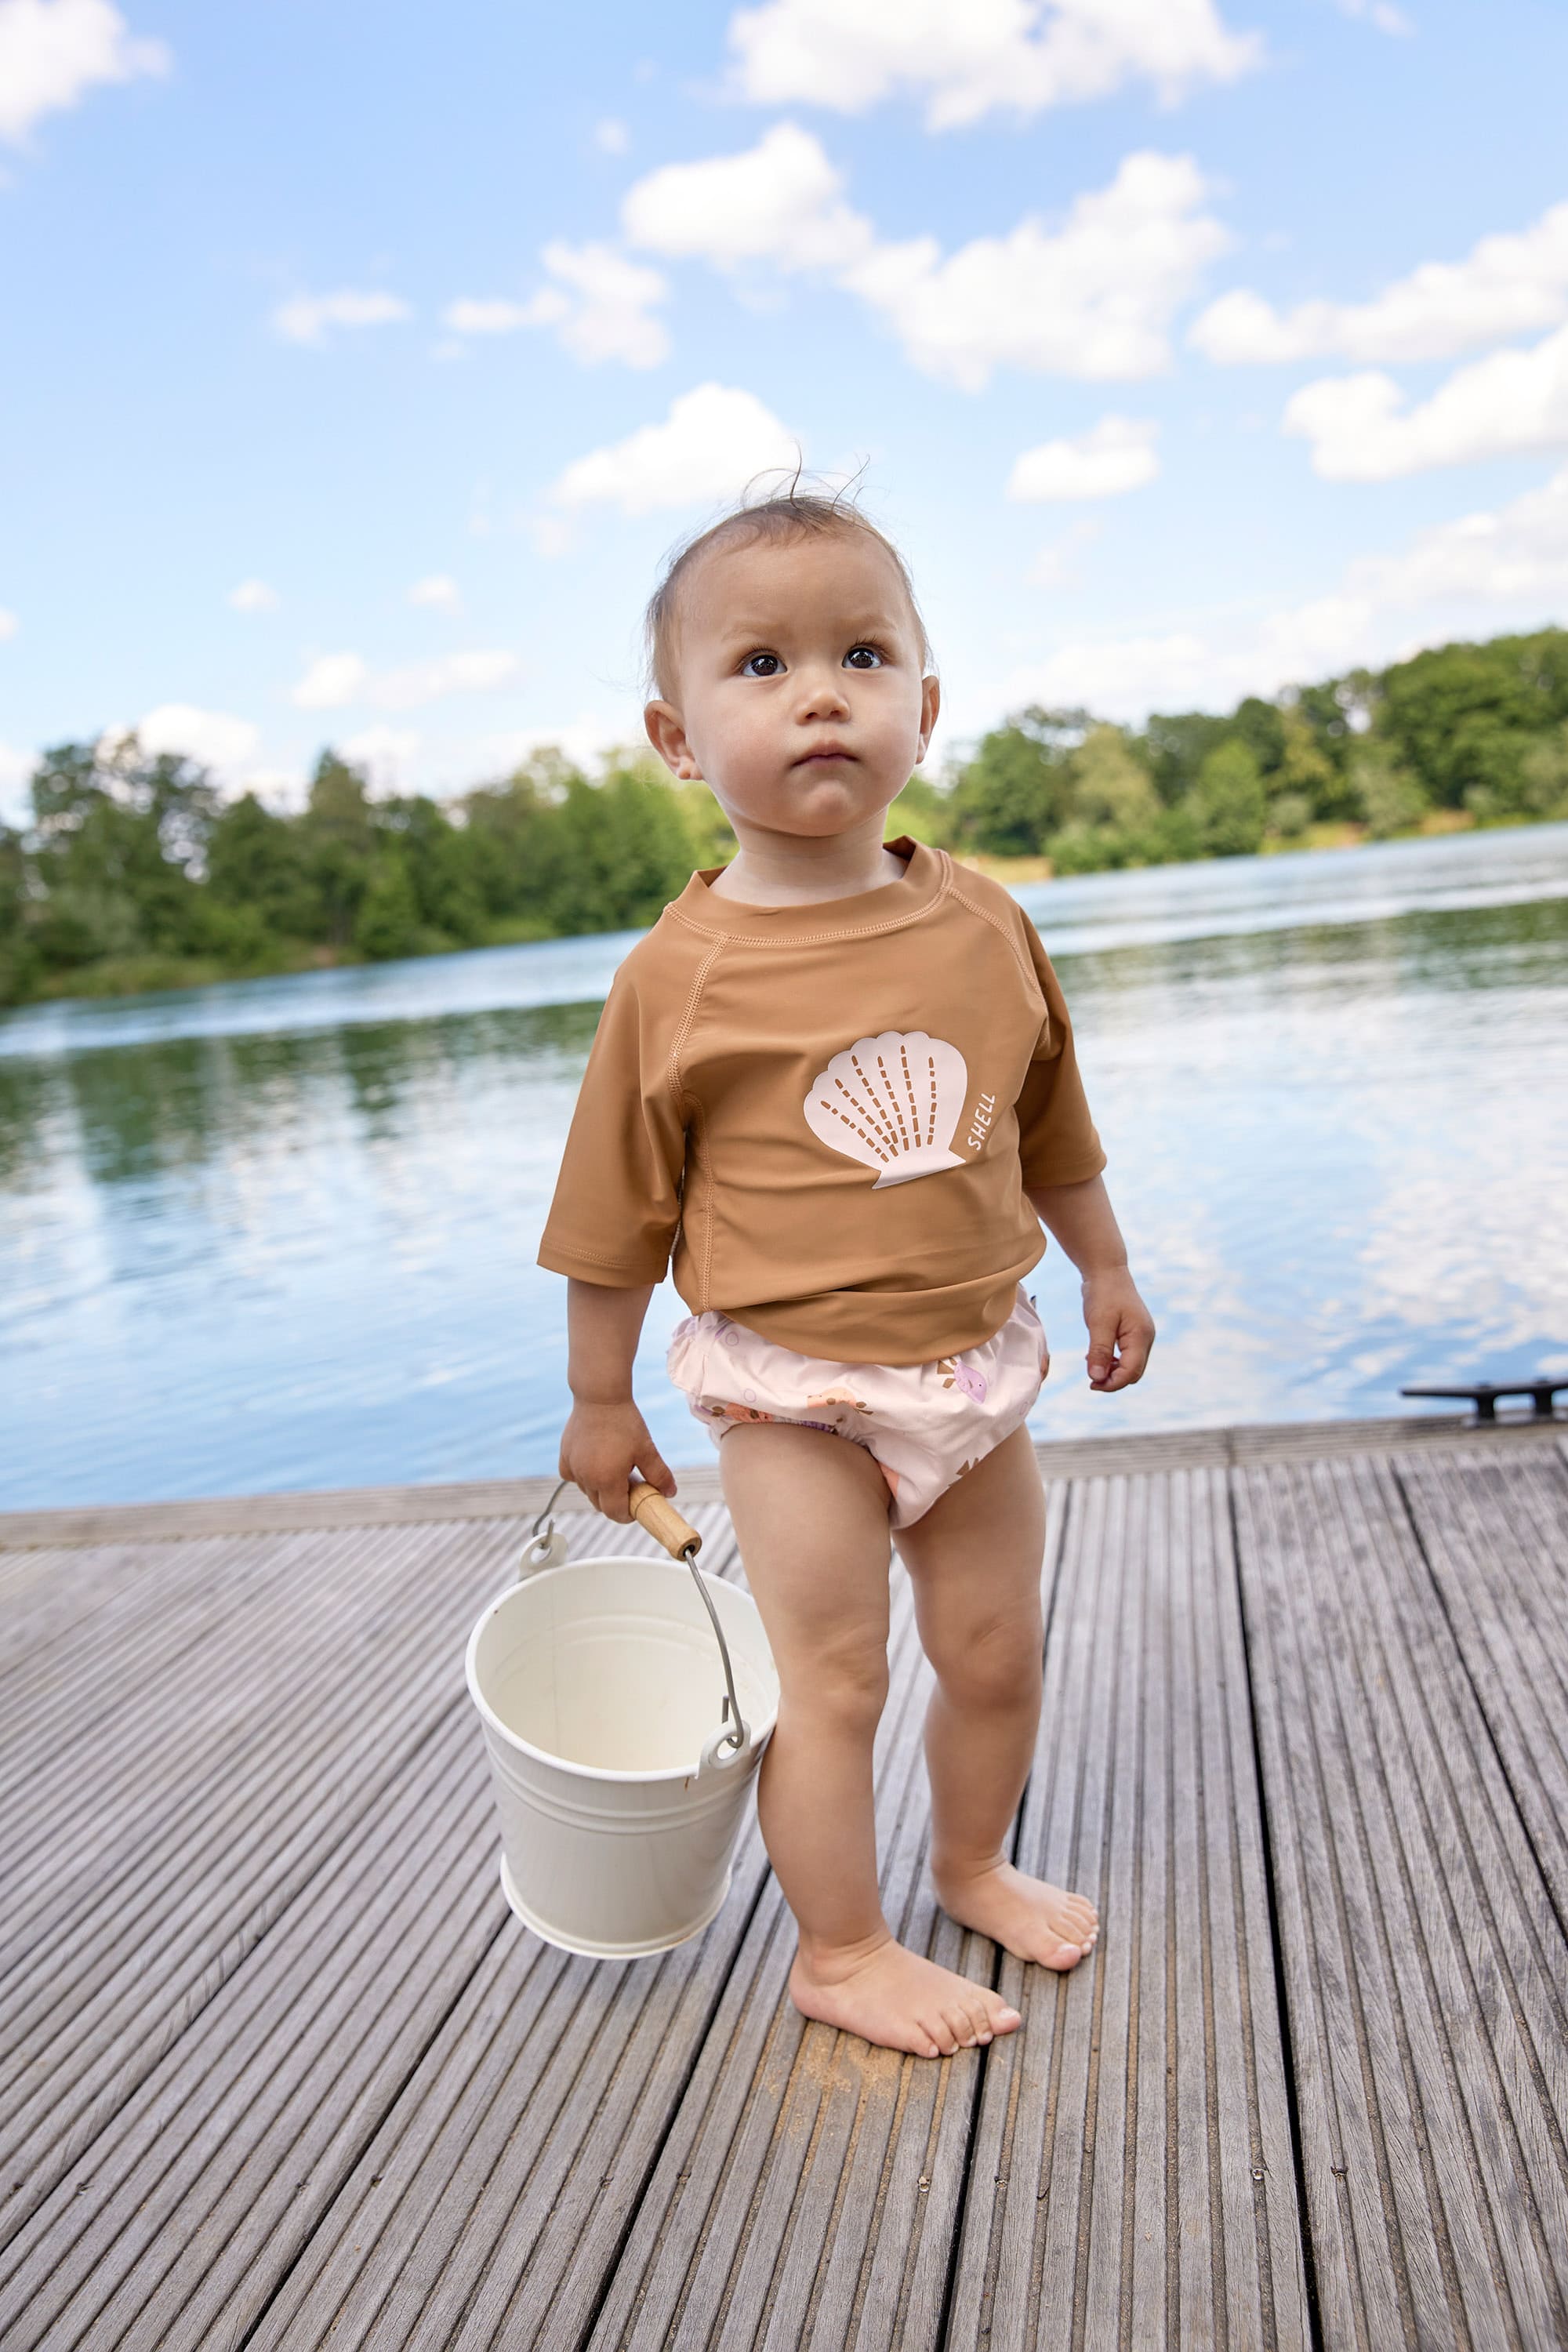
799,696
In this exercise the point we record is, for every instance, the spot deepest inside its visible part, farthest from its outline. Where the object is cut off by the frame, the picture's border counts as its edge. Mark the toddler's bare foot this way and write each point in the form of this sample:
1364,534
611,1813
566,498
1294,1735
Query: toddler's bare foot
892,1996
1035,1921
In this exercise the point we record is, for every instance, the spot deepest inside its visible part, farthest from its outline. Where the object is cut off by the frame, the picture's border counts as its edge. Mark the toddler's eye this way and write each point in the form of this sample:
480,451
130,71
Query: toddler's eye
762,665
862,658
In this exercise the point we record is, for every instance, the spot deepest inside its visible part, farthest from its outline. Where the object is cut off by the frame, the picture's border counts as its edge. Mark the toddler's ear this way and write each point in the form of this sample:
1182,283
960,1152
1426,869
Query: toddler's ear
931,703
667,736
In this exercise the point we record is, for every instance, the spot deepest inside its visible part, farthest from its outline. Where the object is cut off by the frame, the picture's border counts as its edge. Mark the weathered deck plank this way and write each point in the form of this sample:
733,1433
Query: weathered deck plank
188,1810
1496,1540
200,1818
279,2070
208,2183
1426,1973
1132,2176
809,2188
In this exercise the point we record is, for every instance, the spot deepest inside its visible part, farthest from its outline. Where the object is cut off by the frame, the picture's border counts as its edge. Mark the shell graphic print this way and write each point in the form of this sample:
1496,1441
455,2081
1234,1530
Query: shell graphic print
892,1102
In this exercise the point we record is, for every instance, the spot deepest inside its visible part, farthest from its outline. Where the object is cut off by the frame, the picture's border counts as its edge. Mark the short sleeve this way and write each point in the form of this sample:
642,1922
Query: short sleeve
1056,1140
616,1208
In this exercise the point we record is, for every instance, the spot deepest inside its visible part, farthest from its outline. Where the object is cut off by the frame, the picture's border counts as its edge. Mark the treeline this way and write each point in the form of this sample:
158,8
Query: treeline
134,871
1466,733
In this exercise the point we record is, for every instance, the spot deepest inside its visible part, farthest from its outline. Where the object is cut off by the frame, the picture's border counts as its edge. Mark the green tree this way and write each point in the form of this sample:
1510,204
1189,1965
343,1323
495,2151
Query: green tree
1175,748
1017,789
1544,776
1461,718
624,852
1261,726
1390,798
1304,770
440,867
1112,785
387,923
1228,803
255,860
1289,814
119,842
337,839
514,841
18,953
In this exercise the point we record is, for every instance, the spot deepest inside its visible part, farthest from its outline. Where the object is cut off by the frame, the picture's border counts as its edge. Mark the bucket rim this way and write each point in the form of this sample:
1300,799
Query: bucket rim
757,1732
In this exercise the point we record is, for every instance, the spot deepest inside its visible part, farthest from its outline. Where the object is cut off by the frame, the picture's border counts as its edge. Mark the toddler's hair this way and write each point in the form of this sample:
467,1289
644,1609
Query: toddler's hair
795,512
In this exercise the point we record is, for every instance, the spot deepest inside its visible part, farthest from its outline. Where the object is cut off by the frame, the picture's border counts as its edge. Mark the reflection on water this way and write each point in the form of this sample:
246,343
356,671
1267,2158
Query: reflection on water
282,1233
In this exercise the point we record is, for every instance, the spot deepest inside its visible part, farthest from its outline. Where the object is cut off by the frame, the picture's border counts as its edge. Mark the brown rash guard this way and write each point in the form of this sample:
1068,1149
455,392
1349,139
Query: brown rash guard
831,1113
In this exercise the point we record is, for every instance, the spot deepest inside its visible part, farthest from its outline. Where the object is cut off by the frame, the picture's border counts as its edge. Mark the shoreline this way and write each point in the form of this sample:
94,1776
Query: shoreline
119,979
1223,1445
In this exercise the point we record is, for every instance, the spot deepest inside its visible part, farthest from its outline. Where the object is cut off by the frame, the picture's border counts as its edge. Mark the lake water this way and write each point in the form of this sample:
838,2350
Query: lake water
282,1233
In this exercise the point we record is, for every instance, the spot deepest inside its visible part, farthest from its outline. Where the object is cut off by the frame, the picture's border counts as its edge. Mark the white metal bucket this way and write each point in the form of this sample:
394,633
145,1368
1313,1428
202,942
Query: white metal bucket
601,1690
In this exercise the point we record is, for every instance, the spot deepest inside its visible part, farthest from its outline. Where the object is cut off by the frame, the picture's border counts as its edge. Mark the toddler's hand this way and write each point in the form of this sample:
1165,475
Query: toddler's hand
1120,1330
603,1448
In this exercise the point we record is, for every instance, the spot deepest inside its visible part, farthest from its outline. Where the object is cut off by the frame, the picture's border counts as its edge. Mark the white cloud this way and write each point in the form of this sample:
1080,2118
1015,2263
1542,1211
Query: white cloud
438,589
713,441
428,681
1015,55
53,51
253,597
333,681
1361,430
781,201
9,625
1505,285
387,751
598,307
1384,607
306,316
215,737
1121,678
1116,455
1381,14
499,315
1498,556
1092,297
611,137
584,741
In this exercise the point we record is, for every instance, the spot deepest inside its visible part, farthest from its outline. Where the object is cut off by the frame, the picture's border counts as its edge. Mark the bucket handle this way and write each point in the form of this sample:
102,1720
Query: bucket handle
656,1514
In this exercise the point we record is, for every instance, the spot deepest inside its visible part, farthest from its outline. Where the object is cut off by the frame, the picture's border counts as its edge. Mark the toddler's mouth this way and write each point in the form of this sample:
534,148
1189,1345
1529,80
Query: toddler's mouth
823,752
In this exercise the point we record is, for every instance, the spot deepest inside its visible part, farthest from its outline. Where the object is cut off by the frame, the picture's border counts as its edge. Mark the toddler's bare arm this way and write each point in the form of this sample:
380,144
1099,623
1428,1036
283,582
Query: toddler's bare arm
1081,1219
606,1442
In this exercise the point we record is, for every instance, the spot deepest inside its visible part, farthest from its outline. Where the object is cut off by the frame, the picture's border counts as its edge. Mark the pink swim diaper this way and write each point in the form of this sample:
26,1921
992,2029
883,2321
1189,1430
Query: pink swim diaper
923,1424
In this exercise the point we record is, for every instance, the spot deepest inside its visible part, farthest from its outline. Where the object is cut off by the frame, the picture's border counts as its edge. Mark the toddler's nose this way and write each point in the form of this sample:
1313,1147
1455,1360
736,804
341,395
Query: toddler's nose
822,695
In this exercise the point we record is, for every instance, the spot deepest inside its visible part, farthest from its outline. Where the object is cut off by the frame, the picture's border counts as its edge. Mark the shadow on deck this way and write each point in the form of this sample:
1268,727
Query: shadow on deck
281,2072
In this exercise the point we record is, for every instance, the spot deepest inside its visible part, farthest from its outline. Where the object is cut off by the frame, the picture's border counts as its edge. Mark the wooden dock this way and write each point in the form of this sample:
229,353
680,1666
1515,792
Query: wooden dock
282,2073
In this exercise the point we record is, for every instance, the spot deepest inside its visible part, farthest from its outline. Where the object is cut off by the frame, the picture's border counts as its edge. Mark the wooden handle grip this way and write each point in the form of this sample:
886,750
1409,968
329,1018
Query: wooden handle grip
664,1523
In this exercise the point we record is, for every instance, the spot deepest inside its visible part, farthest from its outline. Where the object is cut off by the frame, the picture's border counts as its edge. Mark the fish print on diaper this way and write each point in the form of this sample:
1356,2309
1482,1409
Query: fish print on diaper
841,1396
962,1376
892,1102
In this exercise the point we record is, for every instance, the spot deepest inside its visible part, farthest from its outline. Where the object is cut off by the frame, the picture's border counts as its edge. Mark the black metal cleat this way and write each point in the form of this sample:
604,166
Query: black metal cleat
1484,1394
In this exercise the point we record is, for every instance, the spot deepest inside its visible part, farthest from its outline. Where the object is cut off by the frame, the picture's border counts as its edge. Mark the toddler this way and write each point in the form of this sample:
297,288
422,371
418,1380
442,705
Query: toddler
838,1079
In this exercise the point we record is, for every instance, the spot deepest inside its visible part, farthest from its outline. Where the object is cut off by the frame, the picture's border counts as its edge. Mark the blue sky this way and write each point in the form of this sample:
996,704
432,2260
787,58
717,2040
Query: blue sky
362,362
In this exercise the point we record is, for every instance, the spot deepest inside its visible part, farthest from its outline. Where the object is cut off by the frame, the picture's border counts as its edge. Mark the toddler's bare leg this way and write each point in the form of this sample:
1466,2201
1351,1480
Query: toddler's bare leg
811,1516
974,1562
